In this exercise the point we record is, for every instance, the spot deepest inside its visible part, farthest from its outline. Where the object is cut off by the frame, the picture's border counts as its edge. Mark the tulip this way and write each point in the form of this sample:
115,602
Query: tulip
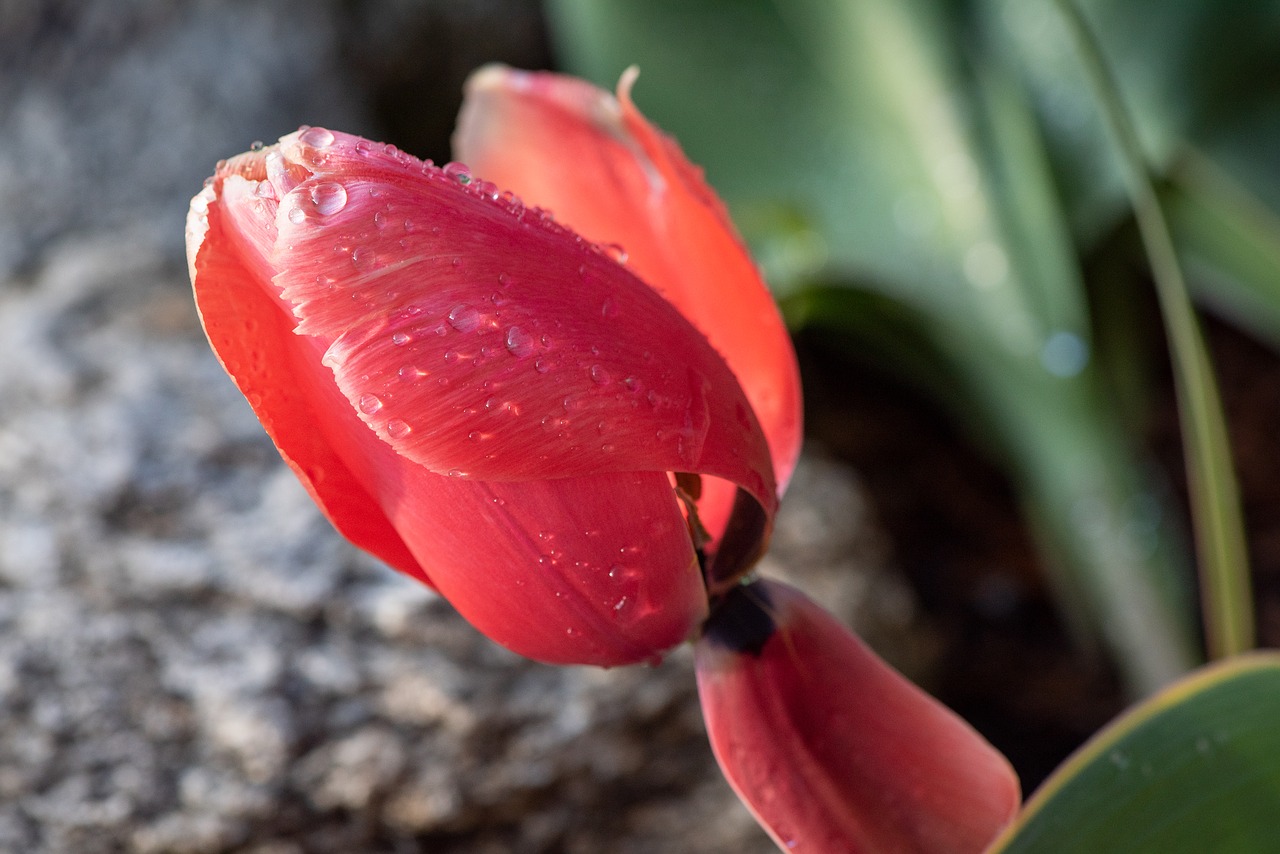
577,429
830,748
559,440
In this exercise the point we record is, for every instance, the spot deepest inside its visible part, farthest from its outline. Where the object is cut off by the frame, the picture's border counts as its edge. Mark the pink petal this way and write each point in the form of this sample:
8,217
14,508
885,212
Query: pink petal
608,173
830,747
595,569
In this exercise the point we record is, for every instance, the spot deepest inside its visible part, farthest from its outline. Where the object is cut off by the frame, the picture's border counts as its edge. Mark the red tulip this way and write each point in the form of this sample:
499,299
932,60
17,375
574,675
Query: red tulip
832,749
491,403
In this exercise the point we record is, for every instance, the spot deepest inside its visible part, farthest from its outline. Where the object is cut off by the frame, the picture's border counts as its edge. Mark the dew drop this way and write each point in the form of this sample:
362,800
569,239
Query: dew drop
599,375
316,138
409,373
464,318
608,308
450,356
519,343
616,252
256,145
456,473
621,603
541,366
364,148
329,197
401,338
380,220
458,172
297,216
370,403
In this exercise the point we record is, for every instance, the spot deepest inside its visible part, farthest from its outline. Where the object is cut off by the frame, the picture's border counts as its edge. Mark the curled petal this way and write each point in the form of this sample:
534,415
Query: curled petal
478,338
608,173
830,747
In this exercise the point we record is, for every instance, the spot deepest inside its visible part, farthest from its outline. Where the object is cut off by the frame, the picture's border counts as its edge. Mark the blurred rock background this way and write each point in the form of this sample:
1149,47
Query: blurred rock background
190,659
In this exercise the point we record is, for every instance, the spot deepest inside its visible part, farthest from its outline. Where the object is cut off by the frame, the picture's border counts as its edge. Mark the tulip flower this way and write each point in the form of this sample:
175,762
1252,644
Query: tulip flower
490,402
831,748
577,427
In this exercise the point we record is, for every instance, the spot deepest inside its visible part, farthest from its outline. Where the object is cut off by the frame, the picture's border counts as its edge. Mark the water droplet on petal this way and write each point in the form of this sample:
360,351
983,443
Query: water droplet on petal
370,403
599,375
458,172
329,197
401,338
297,216
316,138
608,308
364,147
363,258
464,318
256,145
541,366
450,356
519,343
398,429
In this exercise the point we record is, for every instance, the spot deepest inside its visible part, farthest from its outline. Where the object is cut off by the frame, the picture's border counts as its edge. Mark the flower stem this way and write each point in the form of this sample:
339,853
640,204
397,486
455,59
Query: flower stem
1226,597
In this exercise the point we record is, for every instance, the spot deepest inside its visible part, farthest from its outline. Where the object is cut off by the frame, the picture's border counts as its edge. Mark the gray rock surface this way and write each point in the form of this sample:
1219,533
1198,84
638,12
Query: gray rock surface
191,660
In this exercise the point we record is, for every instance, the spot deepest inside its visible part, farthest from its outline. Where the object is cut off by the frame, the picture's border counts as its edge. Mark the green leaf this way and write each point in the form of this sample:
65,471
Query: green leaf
1194,769
1230,243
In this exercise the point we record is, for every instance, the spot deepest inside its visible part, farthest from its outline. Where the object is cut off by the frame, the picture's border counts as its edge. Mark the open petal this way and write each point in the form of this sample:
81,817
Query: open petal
830,747
606,172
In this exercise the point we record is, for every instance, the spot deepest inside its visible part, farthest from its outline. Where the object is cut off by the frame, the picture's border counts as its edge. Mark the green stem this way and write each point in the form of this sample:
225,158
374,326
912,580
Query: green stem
1215,503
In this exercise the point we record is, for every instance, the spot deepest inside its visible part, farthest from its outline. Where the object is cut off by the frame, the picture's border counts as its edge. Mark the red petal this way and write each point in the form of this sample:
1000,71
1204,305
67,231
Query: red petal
830,747
594,570
254,341
605,171
480,339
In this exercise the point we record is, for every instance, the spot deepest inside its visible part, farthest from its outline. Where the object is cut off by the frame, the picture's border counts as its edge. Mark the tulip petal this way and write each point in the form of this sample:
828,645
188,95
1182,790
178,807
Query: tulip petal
254,341
593,570
832,749
613,177
482,340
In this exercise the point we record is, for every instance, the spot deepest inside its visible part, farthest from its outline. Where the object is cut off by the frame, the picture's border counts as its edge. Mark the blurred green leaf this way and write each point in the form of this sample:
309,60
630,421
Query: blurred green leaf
914,160
1230,243
1194,769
